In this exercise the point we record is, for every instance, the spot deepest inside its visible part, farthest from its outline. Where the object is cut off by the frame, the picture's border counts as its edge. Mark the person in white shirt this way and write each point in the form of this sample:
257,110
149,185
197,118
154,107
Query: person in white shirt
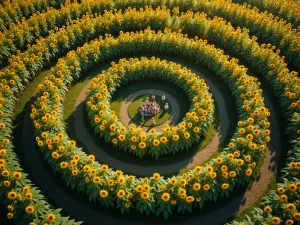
163,98
166,107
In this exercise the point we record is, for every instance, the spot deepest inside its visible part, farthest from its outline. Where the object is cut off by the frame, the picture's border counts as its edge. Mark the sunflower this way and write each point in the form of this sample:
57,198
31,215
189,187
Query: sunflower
142,145
224,168
29,209
292,187
240,162
163,139
173,202
165,196
196,129
63,165
291,207
175,137
219,160
110,183
143,137
268,209
289,222
213,175
230,156
248,172
133,147
209,169
10,208
121,180
283,198
5,173
103,193
232,173
186,135
112,127
156,176
91,158
118,173
6,183
28,196
51,218
276,220
74,173
196,187
198,168
104,167
10,215
225,186
173,181
183,182
122,137
189,199
134,139
121,194
55,155
156,142
296,216
249,137
206,187
147,187
11,195
115,141
145,195
280,190
96,180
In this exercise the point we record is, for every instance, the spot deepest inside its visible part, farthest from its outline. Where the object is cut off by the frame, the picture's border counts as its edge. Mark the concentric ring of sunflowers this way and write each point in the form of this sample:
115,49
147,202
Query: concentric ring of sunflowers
66,158
263,59
133,139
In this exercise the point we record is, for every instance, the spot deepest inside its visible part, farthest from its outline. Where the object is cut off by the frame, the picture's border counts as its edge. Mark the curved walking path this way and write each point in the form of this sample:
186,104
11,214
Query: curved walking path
173,119
81,209
115,158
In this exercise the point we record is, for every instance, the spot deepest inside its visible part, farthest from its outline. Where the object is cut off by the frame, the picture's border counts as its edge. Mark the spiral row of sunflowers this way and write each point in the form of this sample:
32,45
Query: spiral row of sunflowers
133,139
183,191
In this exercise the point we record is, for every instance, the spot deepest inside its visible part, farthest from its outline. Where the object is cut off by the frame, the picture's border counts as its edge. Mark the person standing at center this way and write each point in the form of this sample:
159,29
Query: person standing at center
163,98
153,98
166,107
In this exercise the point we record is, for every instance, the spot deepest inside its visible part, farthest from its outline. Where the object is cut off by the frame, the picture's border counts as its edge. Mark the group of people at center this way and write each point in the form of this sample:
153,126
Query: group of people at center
151,108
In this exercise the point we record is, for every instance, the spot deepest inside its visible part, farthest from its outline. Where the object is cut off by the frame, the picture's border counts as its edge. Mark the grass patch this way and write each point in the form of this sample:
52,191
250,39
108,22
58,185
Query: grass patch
27,94
161,117
115,106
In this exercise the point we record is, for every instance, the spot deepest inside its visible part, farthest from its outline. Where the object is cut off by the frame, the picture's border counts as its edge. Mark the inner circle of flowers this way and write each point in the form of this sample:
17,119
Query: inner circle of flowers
171,139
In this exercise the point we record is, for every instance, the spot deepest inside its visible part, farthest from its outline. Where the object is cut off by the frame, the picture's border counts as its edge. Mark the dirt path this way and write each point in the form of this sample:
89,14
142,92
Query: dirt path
172,101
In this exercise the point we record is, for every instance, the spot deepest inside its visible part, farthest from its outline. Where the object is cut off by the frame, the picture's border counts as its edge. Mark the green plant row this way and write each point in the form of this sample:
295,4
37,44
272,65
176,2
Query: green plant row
217,30
286,9
156,195
285,38
264,26
237,40
23,32
12,11
134,140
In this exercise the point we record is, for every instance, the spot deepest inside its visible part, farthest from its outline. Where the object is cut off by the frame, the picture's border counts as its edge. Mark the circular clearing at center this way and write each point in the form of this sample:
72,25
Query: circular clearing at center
129,110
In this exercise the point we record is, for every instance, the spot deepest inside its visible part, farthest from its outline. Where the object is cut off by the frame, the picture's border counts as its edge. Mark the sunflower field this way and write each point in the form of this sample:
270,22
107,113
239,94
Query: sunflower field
66,157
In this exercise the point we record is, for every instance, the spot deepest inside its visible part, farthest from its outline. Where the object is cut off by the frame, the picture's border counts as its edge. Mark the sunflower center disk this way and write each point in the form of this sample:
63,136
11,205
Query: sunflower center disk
137,131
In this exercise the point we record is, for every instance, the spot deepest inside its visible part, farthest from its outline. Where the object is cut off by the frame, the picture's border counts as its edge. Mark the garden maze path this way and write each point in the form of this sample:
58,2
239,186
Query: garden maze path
173,119
76,204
